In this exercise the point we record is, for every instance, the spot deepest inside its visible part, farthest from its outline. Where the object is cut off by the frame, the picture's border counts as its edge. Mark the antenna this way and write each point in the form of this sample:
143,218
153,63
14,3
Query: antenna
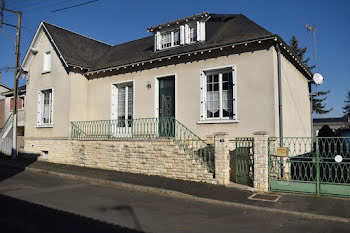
313,30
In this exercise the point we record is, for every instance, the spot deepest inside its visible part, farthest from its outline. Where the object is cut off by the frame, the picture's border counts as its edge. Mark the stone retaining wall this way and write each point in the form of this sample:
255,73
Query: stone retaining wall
152,157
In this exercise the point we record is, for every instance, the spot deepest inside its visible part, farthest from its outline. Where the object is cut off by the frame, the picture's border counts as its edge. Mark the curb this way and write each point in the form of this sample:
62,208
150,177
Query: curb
184,196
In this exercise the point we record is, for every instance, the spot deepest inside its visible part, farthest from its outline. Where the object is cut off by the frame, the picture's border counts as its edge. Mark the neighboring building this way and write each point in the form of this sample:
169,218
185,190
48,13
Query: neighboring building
6,131
337,124
3,117
214,73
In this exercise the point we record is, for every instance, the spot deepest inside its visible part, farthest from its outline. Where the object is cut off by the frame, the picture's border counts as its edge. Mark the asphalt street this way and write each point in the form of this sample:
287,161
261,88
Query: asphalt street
34,202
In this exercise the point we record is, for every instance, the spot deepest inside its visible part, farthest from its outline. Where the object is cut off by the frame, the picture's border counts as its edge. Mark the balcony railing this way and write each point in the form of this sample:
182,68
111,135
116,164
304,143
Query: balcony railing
146,128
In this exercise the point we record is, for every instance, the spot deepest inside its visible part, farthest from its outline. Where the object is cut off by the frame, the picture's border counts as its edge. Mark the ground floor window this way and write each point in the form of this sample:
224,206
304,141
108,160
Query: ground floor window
45,107
218,94
123,103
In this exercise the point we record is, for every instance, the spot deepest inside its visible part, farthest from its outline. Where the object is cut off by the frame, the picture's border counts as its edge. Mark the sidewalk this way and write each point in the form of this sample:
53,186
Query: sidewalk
322,207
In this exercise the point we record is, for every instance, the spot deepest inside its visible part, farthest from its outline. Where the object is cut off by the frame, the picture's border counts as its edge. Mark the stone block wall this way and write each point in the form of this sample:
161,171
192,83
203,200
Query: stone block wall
160,157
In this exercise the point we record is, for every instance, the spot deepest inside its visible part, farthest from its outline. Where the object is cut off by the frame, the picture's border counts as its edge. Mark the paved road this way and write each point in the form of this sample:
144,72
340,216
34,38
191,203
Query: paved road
33,202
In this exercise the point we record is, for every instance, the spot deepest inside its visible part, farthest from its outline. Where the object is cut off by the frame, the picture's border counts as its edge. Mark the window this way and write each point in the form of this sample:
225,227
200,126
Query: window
123,103
176,37
193,33
166,40
218,94
20,103
45,107
180,35
47,62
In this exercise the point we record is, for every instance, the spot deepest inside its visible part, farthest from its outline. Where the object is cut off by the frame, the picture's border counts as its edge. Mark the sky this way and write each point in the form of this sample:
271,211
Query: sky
118,21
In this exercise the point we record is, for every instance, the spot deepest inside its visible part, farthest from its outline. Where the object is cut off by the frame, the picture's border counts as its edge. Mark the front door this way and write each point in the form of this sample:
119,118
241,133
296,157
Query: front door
166,106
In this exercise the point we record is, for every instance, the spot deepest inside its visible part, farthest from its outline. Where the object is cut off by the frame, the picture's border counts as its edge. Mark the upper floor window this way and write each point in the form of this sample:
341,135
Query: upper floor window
180,35
47,62
193,33
20,103
176,37
166,40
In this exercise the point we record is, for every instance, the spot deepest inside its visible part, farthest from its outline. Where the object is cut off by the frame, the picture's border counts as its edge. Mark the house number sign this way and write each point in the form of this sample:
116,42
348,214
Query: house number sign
282,151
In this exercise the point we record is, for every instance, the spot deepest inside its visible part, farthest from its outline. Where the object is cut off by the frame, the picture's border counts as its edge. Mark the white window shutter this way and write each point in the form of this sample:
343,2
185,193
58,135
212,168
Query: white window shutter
39,110
47,61
202,96
234,105
51,106
198,31
114,107
158,36
187,34
182,34
155,43
202,31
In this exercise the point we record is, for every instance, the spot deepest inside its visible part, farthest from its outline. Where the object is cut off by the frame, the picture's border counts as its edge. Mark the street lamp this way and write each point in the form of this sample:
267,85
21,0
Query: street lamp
317,79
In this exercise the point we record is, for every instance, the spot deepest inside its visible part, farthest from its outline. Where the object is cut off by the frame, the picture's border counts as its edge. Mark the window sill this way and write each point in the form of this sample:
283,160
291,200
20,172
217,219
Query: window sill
22,109
45,126
45,72
218,121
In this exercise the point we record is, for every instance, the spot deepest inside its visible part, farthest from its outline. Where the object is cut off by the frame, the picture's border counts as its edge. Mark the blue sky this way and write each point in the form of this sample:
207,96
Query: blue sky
116,22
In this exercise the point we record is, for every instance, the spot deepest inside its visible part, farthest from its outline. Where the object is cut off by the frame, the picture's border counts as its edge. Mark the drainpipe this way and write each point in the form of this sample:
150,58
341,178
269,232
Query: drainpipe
279,93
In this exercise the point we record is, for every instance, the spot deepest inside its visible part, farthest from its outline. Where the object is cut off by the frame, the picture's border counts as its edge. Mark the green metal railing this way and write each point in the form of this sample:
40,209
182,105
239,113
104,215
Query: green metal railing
146,128
310,166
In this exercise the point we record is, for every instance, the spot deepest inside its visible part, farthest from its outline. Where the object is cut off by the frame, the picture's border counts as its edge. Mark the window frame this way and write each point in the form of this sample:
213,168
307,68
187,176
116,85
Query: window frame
123,83
19,108
195,31
203,95
47,59
184,35
40,124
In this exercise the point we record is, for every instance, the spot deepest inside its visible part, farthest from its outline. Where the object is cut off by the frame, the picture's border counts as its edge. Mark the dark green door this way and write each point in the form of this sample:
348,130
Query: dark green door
166,106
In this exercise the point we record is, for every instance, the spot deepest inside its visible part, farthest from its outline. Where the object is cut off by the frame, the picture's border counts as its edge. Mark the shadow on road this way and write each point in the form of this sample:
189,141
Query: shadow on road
21,216
15,166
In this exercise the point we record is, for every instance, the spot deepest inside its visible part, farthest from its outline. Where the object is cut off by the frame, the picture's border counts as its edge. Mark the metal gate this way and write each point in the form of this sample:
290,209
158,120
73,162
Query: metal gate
244,161
310,165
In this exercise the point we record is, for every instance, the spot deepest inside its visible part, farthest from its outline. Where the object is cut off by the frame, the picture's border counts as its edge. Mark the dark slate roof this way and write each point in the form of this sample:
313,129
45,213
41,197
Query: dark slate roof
330,120
21,90
76,49
81,51
221,30
179,20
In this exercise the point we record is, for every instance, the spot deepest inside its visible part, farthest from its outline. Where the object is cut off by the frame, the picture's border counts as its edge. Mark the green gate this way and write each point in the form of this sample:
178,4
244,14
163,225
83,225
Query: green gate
310,165
244,161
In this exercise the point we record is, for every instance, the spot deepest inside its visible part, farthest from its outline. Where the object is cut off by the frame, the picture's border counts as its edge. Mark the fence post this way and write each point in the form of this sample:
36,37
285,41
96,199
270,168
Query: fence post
222,159
261,164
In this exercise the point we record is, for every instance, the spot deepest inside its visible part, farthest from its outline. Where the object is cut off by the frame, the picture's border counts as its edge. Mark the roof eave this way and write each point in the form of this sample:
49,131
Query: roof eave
178,21
180,54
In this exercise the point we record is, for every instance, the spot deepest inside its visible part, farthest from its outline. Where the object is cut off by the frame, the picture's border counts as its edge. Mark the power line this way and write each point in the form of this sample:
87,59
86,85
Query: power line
36,2
74,6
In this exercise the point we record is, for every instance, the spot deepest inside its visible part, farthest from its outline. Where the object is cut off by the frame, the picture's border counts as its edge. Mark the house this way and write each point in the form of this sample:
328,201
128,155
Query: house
191,79
6,132
337,124
3,118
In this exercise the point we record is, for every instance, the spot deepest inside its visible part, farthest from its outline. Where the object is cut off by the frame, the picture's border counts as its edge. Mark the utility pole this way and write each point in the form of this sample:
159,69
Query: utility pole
17,72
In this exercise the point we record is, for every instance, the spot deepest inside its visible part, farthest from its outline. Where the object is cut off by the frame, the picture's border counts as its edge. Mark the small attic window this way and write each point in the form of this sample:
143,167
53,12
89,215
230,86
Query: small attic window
193,33
47,62
178,35
166,40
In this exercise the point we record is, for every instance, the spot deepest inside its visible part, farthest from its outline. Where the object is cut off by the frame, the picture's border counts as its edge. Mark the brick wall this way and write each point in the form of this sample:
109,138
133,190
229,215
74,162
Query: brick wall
152,157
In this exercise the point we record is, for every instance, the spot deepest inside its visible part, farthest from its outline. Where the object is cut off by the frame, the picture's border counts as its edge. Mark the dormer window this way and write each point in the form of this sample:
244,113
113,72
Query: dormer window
180,34
176,37
193,33
166,40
